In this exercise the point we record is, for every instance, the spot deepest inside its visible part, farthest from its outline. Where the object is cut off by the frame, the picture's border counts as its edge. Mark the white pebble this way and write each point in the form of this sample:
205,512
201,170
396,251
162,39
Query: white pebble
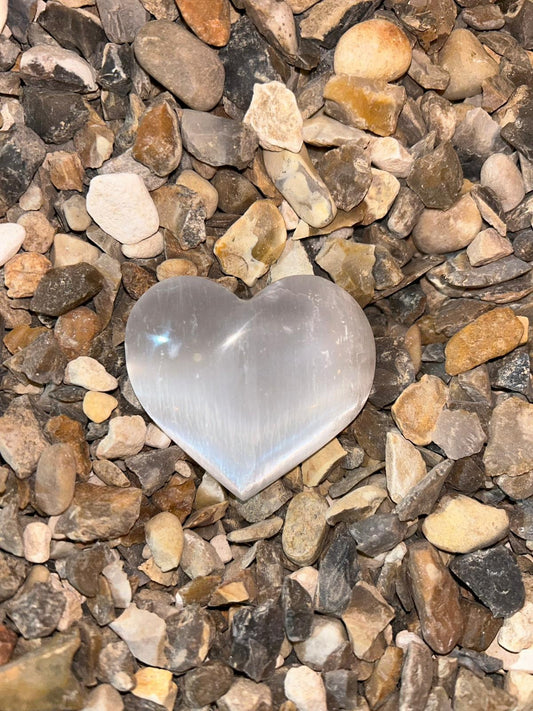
11,239
305,688
156,437
37,538
146,248
90,374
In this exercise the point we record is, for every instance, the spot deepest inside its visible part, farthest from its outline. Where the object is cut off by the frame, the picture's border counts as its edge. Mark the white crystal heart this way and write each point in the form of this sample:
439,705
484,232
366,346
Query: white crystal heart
249,389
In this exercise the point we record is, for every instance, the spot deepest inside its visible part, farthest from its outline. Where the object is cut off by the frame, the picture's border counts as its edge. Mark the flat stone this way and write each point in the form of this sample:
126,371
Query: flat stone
199,558
375,49
460,524
356,505
124,439
327,638
297,180
256,638
417,409
488,246
500,174
426,73
158,141
274,116
460,45
73,250
99,512
326,22
63,288
338,572
404,466
509,450
322,130
442,231
491,335
305,688
350,265
317,467
436,596
55,116
517,131
210,21
305,528
144,633
458,433
18,426
21,153
437,177
181,63
114,199
253,242
55,478
378,533
73,28
90,374
421,498
36,612
346,173
206,684
494,576
390,155
217,141
54,67
365,618
368,104
417,673
245,695
297,609
405,212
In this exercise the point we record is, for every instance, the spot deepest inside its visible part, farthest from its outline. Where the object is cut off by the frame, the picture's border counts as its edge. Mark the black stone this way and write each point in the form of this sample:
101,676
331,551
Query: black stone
494,577
523,245
83,567
394,371
520,218
12,573
54,115
422,497
437,178
63,288
248,59
116,70
512,372
43,360
521,516
73,28
467,475
256,638
353,14
297,610
205,685
9,52
337,573
519,133
21,153
189,632
520,24
378,533
153,469
269,570
36,612
406,306
20,15
370,428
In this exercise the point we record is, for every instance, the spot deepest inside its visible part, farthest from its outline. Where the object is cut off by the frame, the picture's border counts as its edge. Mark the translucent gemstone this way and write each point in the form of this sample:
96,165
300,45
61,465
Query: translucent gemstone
249,389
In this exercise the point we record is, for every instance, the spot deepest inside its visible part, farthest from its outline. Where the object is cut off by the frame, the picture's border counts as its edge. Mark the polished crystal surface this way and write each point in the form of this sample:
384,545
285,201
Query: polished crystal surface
249,389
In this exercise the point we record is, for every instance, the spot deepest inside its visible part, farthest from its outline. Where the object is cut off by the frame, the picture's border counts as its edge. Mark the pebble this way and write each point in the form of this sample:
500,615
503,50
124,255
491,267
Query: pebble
297,180
417,409
144,632
365,618
488,246
18,426
357,504
367,104
39,231
210,21
155,685
88,373
293,260
491,335
460,47
146,248
121,205
494,576
458,433
208,192
37,537
319,465
64,288
253,242
23,272
21,153
437,177
305,528
390,155
509,448
350,265
346,172
442,231
121,20
164,536
338,573
305,688
274,115
55,479
104,698
378,533
404,466
460,524
158,141
500,174
199,558
246,695
12,236
98,406
68,250
375,49
417,672
208,683
125,438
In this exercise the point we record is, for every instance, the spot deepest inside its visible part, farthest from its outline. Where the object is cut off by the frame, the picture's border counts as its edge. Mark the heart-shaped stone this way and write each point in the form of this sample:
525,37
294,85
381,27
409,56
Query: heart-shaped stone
249,389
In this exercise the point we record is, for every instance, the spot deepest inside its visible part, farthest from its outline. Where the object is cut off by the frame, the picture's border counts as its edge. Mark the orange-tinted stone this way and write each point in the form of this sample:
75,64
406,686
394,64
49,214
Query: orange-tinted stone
208,19
177,496
64,429
21,336
158,141
23,273
66,170
8,640
75,331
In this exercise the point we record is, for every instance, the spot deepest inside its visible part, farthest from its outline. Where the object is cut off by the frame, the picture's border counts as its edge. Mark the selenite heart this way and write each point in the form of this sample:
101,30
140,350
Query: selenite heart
249,389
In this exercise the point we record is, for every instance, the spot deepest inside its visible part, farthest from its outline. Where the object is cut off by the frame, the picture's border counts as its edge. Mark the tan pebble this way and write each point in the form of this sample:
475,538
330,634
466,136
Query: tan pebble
176,267
417,409
155,685
190,179
90,374
66,170
98,406
39,232
23,273
37,537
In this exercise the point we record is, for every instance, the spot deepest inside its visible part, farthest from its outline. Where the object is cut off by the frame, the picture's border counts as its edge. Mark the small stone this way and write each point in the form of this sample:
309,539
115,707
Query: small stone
109,473
294,260
182,212
136,280
99,512
156,437
11,238
378,533
210,21
305,528
158,142
326,639
346,173
385,677
88,373
305,688
460,524
491,335
358,504
404,464
208,683
297,609
509,449
94,141
18,426
63,288
458,433
488,246
144,633
217,141
417,675
21,153
437,177
368,104
417,409
493,576
517,132
199,558
256,531
375,49
76,330
121,205
256,638
460,47
390,155
436,596
55,478
55,116
146,248
316,468
156,685
476,137
484,17
76,215
164,536
8,640
121,20
72,250
23,273
98,406
322,130
500,174
350,265
37,537
274,115
338,572
49,66
425,73
154,469
36,612
295,177
253,242
208,192
246,695
125,438
442,231
422,497
46,675
326,23
104,698
365,618
276,23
